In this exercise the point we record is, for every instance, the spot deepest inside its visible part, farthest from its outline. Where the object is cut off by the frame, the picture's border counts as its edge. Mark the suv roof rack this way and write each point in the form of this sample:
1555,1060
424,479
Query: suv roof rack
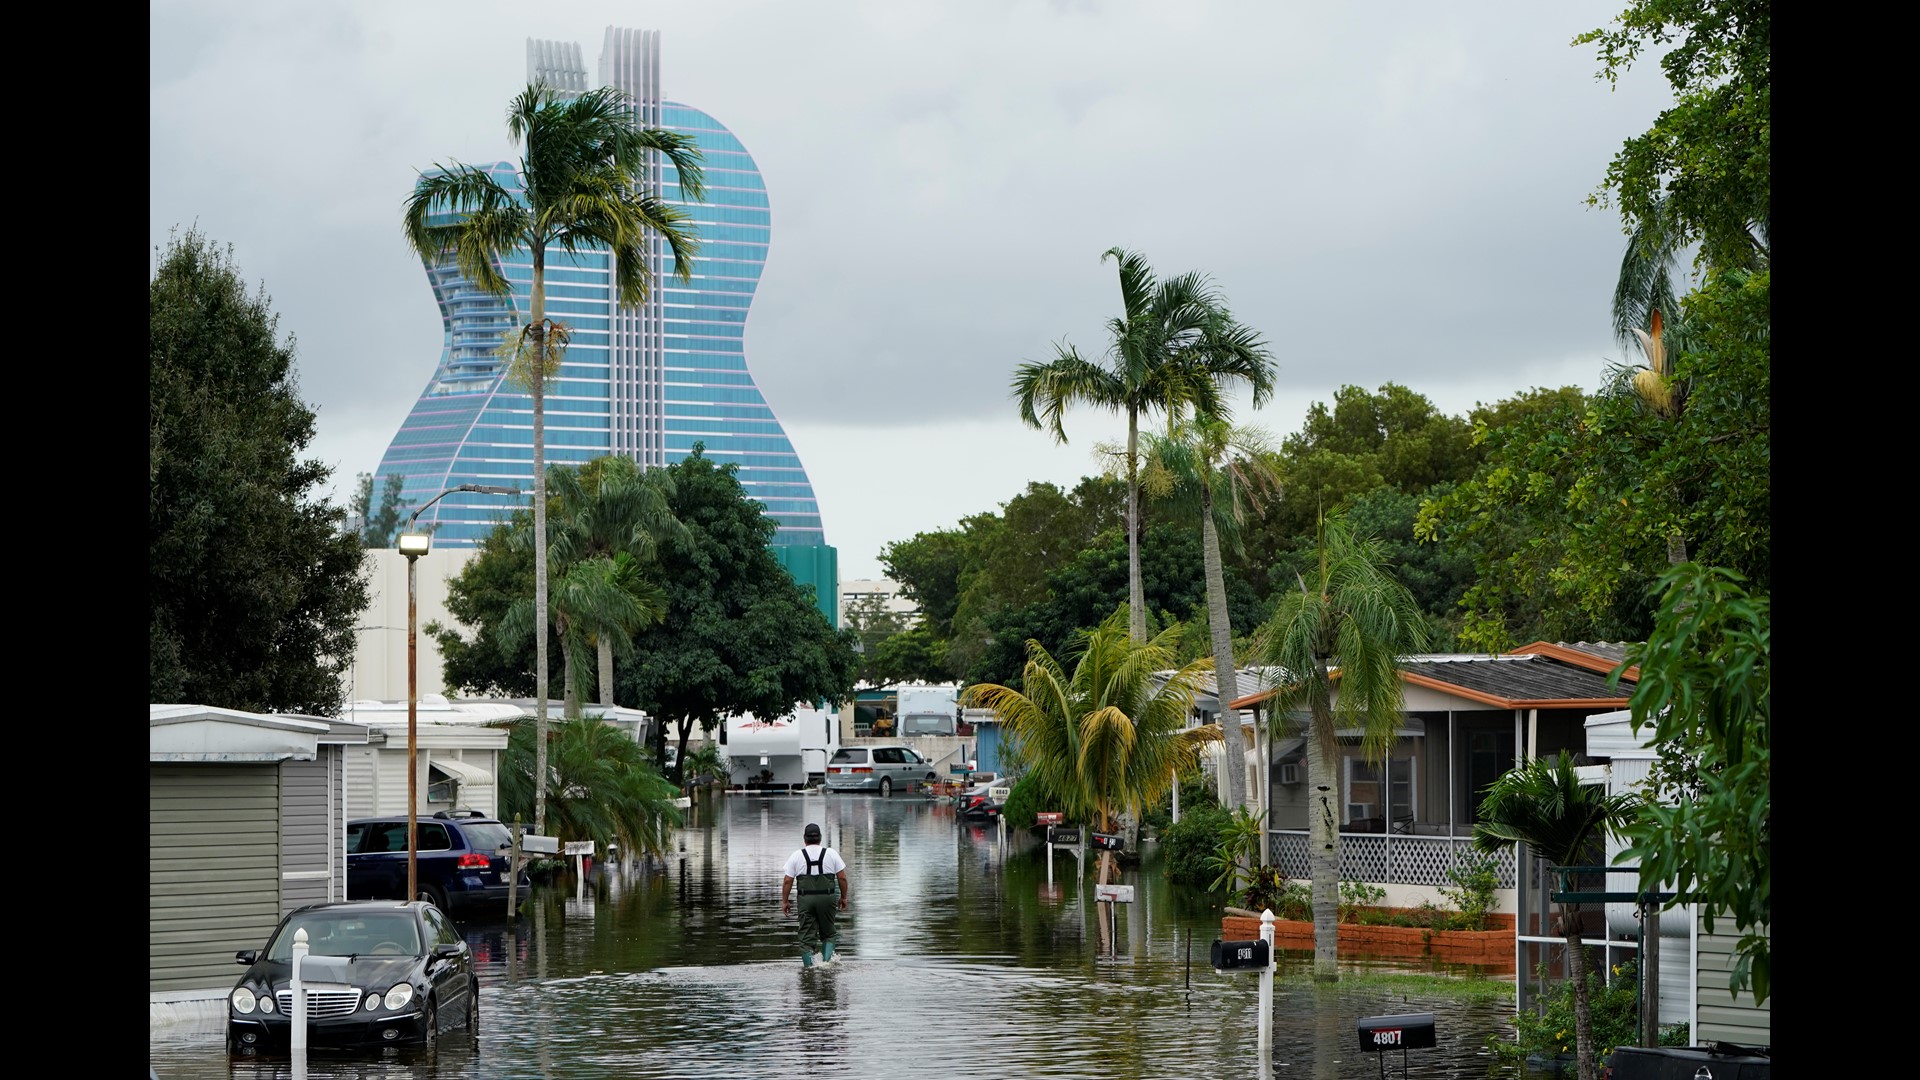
459,814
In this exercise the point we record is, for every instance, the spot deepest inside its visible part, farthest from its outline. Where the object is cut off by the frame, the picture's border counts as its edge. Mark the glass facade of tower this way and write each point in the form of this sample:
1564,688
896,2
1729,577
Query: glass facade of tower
649,381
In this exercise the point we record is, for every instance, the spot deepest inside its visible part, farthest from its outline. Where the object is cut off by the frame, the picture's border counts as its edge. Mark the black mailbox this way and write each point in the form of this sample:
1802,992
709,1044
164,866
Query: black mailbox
1108,841
1063,834
1252,955
1406,1031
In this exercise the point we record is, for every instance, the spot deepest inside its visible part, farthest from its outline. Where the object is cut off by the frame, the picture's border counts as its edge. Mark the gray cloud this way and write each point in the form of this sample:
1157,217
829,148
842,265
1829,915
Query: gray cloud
1388,191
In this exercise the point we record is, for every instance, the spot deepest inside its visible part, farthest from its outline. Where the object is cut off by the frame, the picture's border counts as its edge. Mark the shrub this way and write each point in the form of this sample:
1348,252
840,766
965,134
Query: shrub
1548,1032
1355,895
1473,895
1188,848
1026,800
1196,793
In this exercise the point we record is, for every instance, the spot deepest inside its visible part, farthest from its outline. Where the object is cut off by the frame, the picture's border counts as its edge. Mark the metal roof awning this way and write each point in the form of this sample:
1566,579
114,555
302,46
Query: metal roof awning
466,775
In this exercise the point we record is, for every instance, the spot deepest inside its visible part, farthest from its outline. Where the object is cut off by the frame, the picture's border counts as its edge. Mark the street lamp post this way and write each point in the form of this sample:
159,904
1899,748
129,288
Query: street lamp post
413,545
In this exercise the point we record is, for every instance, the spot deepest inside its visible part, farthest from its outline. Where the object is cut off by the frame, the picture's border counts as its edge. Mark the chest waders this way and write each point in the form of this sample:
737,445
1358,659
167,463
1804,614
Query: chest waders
819,895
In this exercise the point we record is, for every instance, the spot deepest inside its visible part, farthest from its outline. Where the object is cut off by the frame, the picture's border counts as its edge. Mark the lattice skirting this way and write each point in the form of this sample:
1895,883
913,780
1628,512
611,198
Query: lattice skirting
1388,859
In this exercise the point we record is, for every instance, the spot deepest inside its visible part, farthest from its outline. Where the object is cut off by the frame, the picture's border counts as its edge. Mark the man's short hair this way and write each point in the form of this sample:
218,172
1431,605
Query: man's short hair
812,833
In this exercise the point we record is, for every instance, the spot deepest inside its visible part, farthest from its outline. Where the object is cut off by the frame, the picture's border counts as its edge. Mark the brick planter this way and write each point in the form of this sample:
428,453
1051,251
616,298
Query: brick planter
1492,949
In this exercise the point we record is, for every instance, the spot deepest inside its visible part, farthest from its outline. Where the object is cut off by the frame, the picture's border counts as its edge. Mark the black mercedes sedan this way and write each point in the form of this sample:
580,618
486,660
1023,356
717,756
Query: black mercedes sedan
376,973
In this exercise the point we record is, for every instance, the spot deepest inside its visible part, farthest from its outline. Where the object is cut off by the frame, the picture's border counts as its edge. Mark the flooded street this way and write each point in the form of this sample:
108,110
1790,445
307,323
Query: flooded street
958,957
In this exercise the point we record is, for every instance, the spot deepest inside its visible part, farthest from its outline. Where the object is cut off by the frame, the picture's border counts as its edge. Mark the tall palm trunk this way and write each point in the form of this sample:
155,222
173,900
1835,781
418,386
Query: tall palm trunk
537,382
569,691
605,654
1323,841
1233,745
1136,589
1582,1005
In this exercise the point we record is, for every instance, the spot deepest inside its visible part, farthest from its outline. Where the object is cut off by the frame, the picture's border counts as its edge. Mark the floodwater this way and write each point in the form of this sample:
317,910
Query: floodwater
962,954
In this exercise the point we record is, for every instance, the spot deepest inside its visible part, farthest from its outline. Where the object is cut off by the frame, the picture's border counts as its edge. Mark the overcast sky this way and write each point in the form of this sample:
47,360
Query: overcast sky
1389,192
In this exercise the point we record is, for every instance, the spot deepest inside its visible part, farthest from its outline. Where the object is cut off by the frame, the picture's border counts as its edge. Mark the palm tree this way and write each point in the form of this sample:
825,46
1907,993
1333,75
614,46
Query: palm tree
1352,623
600,599
1173,347
1110,737
584,187
605,790
606,508
1543,805
1223,469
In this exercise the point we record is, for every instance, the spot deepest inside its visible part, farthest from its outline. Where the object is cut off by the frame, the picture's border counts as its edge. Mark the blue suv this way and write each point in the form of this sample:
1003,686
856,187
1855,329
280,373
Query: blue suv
461,864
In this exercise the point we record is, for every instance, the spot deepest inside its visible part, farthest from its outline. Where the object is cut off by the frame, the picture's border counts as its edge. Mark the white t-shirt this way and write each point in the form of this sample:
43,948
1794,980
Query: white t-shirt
797,865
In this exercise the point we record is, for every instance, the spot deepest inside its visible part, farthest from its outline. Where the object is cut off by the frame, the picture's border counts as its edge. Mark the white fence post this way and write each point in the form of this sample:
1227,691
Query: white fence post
1266,994
299,1033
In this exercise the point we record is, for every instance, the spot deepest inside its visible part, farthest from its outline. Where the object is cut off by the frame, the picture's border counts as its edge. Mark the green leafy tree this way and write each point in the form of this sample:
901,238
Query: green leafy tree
379,525
1543,805
584,186
1174,346
1574,509
1705,164
1109,737
1083,592
1394,438
1218,471
479,597
873,624
740,635
253,583
912,655
930,568
1705,687
604,788
1351,617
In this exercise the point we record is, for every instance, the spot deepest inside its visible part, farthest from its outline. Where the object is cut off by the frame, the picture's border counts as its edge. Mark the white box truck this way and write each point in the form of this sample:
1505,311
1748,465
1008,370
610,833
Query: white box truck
928,710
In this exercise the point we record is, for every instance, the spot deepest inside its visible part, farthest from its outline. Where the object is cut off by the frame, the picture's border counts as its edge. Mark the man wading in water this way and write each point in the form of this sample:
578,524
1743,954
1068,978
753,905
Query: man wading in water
818,870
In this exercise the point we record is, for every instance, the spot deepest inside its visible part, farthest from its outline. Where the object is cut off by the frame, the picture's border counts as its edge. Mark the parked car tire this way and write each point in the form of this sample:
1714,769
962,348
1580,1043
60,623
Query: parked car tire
432,895
473,1008
429,1024
886,786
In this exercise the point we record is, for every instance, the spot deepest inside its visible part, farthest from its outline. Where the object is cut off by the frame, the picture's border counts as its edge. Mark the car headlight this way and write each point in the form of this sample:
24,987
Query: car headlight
266,1003
398,997
373,1002
243,1000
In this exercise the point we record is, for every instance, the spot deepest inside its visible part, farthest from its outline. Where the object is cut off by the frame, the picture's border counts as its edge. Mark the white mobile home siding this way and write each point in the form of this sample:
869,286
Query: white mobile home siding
1722,1017
214,870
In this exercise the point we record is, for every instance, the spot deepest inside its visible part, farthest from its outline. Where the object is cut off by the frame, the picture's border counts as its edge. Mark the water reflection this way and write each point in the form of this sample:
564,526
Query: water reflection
962,951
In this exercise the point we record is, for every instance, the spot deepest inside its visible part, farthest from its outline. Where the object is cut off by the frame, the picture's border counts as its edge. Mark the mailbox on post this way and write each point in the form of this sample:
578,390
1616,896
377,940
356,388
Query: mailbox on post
1405,1031
1050,817
1402,1032
1252,955
1066,835
1108,841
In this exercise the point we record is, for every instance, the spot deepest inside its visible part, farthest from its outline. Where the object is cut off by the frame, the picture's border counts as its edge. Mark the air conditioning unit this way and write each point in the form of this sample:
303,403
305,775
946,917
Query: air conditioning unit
1290,773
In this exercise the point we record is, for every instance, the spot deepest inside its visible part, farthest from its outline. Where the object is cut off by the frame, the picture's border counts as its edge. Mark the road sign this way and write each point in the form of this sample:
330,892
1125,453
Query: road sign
1050,817
1122,894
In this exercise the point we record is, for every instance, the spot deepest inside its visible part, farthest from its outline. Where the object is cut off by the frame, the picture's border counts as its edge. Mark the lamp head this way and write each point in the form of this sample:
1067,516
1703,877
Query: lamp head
414,545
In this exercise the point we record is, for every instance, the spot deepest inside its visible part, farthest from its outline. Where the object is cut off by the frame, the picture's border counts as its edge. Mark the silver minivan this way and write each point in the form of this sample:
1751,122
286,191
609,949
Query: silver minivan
877,768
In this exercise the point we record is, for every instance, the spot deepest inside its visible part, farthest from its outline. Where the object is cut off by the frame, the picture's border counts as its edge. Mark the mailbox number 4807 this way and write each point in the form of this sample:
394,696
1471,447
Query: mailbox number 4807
1387,1037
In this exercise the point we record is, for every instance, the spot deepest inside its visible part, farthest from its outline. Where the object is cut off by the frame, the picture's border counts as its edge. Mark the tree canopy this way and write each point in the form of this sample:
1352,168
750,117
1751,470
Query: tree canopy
739,634
254,582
